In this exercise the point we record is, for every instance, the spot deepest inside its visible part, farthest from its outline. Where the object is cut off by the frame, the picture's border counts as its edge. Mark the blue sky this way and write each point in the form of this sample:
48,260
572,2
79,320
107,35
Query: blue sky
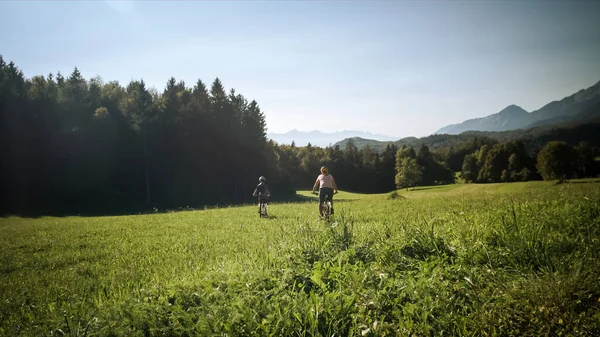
399,68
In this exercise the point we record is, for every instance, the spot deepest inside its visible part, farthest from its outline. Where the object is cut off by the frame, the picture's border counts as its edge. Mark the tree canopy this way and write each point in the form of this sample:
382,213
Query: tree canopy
85,145
557,161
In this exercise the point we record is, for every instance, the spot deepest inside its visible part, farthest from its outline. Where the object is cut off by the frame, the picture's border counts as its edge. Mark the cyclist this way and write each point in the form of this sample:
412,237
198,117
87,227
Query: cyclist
326,185
263,189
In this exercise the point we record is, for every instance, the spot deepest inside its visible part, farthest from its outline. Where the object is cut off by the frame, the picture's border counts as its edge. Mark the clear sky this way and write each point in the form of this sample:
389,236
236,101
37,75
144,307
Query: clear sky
399,68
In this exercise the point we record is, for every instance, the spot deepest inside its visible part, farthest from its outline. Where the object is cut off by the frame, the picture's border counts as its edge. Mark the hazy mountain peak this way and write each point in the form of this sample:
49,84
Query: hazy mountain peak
513,110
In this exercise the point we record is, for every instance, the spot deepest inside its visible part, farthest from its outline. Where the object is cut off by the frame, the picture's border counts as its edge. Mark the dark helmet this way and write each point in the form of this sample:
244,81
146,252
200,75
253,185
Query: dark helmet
262,179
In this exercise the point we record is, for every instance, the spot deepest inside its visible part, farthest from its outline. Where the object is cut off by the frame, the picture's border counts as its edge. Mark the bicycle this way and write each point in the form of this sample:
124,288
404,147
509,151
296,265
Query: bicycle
262,206
326,206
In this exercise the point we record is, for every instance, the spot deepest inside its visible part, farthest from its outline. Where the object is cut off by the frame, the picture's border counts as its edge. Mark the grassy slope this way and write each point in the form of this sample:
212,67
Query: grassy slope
494,259
465,190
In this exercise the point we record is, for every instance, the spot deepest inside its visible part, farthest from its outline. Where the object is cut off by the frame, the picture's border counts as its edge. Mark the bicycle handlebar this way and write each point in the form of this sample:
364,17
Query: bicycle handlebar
316,193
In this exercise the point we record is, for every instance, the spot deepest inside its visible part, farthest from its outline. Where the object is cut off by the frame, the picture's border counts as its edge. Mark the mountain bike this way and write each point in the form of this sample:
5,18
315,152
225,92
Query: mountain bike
262,206
326,206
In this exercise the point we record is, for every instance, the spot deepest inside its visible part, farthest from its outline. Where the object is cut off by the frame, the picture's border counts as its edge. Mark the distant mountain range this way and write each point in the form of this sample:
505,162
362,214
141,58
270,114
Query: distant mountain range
533,138
322,139
510,123
580,107
579,112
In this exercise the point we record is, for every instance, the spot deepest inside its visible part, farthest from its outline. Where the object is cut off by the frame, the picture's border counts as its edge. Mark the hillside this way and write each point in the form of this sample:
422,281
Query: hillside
584,101
571,132
581,106
511,117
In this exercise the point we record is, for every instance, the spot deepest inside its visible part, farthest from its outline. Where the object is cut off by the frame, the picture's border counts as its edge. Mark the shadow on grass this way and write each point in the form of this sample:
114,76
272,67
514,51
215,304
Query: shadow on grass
39,212
584,181
35,214
425,188
47,211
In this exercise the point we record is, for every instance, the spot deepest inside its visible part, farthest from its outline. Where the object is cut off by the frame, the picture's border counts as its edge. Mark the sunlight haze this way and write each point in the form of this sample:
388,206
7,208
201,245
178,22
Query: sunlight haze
393,68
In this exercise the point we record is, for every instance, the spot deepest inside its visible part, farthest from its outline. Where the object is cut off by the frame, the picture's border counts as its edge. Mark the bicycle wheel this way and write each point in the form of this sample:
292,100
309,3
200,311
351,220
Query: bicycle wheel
326,210
263,210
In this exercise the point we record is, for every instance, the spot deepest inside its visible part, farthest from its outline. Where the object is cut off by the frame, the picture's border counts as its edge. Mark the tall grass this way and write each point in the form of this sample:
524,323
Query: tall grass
508,260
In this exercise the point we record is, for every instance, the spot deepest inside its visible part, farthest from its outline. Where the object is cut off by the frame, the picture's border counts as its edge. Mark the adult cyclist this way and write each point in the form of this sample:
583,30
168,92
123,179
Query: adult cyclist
327,186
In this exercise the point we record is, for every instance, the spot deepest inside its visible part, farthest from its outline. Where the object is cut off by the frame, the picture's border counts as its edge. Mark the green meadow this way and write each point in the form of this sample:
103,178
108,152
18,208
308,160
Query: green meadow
516,259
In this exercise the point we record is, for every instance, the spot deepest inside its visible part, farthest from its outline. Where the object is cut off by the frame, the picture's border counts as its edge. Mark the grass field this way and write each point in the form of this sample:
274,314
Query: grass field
519,259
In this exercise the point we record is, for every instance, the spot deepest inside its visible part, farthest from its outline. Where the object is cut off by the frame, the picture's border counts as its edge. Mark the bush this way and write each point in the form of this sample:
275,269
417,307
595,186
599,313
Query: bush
394,195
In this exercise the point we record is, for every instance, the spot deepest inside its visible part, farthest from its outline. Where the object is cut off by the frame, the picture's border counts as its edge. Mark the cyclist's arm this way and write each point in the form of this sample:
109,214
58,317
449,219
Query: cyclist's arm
254,193
316,185
334,185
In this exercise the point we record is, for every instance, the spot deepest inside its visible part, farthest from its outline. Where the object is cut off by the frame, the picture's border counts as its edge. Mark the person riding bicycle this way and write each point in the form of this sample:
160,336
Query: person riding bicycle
263,189
327,186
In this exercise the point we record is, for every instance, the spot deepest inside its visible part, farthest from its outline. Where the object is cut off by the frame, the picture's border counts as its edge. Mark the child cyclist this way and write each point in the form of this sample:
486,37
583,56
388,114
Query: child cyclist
326,185
263,189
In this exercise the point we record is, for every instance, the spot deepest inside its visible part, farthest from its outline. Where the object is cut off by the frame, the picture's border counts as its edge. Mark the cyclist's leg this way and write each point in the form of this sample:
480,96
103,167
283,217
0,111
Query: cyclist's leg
326,191
321,200
330,199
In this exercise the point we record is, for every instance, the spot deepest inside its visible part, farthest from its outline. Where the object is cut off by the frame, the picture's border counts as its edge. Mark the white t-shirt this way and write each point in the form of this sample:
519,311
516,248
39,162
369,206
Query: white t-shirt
325,180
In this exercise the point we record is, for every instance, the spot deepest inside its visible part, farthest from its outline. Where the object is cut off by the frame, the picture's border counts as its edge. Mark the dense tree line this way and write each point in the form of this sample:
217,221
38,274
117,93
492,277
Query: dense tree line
76,145
501,162
361,170
509,161
558,160
478,159
72,144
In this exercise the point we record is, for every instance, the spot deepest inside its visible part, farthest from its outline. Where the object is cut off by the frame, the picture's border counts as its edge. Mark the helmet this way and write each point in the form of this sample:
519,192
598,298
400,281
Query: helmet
324,169
262,179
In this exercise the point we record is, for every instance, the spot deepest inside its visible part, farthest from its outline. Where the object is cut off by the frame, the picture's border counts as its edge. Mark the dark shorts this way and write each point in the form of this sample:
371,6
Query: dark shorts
323,191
